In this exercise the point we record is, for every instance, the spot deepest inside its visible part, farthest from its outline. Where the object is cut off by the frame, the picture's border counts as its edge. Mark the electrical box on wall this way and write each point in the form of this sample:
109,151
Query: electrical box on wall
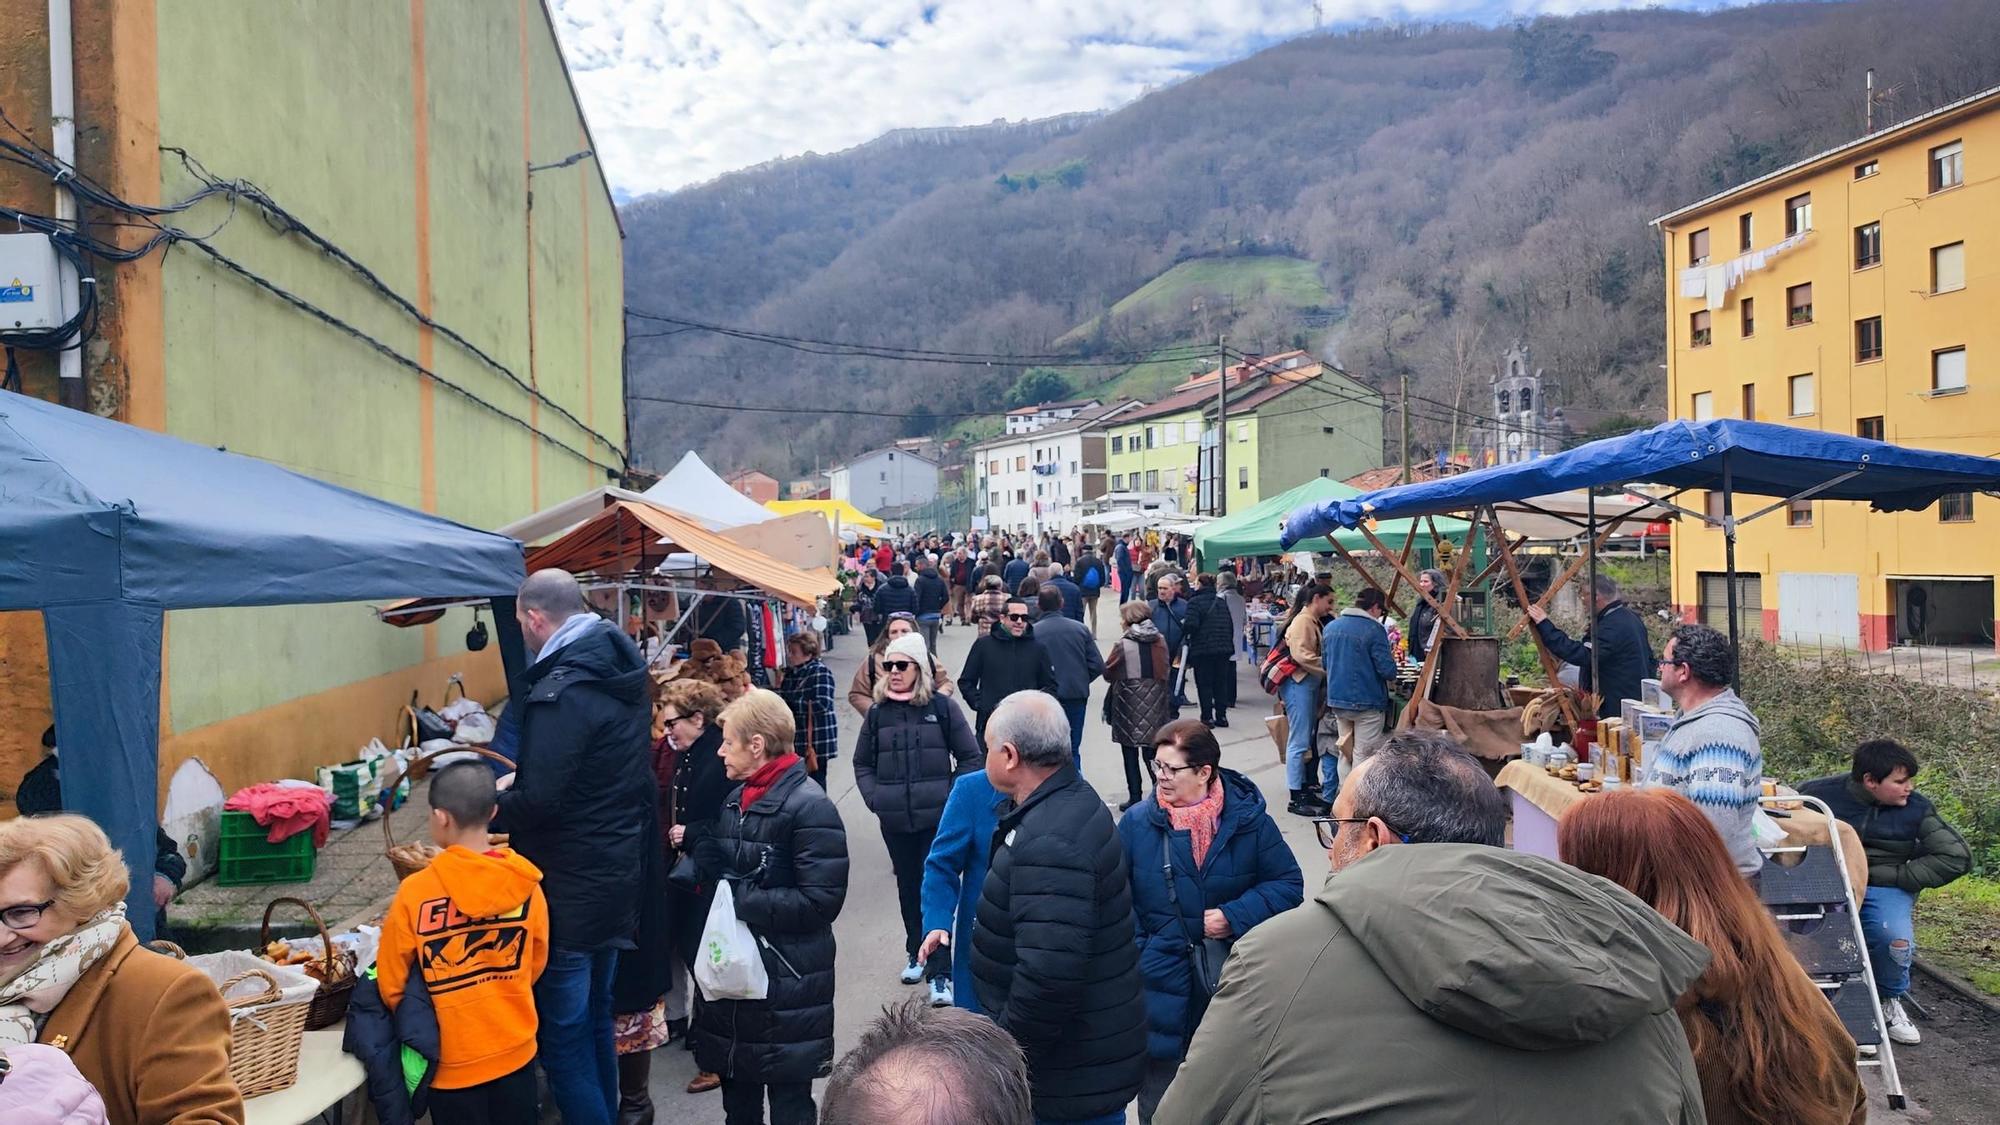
30,282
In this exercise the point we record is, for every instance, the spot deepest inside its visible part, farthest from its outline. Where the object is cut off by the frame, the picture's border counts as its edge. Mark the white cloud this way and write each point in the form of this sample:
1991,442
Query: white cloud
681,91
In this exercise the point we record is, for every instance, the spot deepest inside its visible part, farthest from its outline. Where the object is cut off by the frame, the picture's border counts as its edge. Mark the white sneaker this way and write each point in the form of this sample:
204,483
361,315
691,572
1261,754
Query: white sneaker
1901,1029
912,973
940,992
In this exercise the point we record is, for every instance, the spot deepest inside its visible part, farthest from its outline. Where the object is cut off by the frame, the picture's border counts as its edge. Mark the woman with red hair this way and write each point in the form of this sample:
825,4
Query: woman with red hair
1768,1047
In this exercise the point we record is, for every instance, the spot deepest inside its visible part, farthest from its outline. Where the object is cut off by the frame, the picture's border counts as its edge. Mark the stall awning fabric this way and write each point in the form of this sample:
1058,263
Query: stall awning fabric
692,488
628,536
104,527
1764,459
850,516
1256,530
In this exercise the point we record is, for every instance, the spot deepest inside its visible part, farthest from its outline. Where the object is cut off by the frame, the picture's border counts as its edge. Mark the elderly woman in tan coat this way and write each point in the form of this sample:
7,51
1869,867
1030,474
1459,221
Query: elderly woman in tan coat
149,1032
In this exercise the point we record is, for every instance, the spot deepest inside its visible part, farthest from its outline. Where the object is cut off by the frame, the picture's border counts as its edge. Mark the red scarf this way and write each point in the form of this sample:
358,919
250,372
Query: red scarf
760,782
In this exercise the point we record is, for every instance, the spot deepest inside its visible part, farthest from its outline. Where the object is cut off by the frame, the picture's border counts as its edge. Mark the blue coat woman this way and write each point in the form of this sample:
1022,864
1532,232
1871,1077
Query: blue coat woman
955,871
1248,874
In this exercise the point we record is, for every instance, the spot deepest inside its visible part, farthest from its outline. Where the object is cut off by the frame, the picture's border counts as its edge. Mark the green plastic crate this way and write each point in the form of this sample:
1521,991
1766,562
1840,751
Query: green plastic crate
245,858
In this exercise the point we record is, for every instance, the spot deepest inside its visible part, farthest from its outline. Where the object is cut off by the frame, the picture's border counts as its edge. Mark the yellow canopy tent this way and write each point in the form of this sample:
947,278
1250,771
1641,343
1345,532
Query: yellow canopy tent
850,516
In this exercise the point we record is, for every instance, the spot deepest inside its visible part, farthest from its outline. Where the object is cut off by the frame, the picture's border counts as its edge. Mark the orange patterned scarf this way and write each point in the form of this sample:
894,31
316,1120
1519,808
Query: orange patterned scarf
1198,820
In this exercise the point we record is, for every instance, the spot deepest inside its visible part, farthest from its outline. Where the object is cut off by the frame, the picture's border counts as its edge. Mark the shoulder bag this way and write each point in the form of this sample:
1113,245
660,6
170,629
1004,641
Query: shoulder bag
1205,954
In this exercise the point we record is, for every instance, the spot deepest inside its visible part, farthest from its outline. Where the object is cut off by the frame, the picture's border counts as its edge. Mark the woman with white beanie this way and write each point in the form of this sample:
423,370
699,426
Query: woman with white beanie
914,743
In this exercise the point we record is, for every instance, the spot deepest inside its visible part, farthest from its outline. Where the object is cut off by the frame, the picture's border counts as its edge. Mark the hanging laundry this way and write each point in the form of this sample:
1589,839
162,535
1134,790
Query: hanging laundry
1715,290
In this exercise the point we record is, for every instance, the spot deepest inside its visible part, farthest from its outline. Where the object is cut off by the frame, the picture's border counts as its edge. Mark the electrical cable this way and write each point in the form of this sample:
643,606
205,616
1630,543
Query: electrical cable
815,346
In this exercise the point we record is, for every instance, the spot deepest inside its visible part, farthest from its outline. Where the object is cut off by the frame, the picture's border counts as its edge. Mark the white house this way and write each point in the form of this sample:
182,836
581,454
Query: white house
1041,480
885,478
1028,419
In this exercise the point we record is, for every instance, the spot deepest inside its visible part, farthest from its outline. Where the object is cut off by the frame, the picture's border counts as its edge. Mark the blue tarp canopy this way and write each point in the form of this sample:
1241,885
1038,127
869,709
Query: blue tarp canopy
1762,459
104,527
1255,530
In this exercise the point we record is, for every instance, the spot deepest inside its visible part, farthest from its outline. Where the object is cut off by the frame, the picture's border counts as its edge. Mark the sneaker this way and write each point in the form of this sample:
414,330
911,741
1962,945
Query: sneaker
940,992
912,973
1901,1029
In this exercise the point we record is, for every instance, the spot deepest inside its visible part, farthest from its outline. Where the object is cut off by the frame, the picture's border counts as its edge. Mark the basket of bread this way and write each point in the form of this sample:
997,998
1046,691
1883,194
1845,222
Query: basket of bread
326,963
412,857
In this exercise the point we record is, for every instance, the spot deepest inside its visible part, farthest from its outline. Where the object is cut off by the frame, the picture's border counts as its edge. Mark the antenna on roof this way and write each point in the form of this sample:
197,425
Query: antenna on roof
1319,14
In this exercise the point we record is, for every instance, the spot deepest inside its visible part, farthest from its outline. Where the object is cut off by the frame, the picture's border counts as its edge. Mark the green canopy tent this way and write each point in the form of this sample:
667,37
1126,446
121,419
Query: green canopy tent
1255,530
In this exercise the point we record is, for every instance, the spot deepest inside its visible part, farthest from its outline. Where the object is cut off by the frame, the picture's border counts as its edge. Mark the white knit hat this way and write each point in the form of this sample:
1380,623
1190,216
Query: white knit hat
909,646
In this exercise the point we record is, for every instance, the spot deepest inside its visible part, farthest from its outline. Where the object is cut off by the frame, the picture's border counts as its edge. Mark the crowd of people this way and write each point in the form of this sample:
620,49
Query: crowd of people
1078,956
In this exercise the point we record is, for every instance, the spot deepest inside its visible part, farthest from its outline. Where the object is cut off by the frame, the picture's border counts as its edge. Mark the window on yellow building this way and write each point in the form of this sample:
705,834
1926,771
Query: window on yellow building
1948,267
1117,482
1171,434
1801,388
1117,443
1870,428
1955,507
1152,480
1798,214
1151,437
1698,247
1867,245
1699,334
1750,402
1866,169
1748,307
1243,478
1798,305
1867,339
1947,371
1798,513
1242,431
1701,405
1947,166
1712,505
1745,237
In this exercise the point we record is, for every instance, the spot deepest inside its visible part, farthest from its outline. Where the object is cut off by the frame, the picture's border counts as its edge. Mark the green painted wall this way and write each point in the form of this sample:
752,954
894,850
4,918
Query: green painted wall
314,102
1172,461
1305,433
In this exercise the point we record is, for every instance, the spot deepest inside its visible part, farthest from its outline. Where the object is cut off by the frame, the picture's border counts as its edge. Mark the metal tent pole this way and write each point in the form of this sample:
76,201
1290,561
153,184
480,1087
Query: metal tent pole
1729,571
1590,595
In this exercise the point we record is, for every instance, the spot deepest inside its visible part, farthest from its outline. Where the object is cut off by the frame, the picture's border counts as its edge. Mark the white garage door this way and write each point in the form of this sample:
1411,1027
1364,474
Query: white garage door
1819,609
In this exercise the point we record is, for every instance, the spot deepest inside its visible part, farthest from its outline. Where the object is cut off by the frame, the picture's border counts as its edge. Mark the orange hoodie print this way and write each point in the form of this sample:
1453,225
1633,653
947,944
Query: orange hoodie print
477,927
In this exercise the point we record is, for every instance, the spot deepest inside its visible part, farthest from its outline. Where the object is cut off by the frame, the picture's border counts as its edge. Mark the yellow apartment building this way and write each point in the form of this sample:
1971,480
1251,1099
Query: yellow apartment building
1854,292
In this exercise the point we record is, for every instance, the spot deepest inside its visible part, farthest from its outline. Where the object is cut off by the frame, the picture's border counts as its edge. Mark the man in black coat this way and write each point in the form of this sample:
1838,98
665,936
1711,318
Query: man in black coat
580,807
1053,956
1006,660
1624,651
932,598
1210,635
896,594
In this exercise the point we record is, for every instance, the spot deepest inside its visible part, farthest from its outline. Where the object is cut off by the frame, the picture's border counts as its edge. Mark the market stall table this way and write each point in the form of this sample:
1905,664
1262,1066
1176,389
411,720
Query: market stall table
327,1077
1539,801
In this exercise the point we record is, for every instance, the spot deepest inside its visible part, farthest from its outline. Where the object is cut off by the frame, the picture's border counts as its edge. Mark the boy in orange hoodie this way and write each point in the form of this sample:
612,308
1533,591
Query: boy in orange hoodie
475,924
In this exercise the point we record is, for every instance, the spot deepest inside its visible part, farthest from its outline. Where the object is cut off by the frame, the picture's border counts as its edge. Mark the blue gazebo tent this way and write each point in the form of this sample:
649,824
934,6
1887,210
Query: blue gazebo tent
1727,456
104,527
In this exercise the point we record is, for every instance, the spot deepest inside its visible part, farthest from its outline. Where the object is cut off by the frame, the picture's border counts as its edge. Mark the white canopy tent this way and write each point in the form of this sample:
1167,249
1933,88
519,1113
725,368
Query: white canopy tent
692,488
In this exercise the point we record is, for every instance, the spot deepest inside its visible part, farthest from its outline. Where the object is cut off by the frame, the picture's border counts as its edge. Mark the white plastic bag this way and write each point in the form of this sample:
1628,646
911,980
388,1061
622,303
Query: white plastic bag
728,966
477,729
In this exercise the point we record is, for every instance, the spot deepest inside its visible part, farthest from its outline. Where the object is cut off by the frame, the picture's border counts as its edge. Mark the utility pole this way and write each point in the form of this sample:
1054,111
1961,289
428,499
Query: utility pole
1404,380
1220,461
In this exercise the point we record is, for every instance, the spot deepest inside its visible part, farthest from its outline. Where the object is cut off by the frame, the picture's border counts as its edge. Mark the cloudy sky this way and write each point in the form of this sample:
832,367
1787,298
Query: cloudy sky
681,91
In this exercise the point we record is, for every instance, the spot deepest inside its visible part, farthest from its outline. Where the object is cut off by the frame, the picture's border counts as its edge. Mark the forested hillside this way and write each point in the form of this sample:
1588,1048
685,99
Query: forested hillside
1455,187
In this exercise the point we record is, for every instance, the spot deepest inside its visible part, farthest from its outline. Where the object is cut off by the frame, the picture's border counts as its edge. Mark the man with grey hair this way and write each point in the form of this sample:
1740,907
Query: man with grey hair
1624,651
1424,984
582,806
1053,956
919,1065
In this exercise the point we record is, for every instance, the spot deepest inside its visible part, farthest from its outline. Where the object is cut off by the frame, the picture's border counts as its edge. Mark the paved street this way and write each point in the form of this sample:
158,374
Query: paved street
870,929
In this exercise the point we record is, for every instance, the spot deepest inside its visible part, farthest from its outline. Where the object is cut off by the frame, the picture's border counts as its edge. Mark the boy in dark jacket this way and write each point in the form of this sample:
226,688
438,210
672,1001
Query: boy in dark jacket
1910,849
1006,660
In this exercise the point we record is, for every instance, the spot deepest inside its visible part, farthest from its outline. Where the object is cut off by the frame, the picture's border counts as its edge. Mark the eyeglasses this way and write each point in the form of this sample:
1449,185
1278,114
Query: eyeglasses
1666,663
898,665
1017,617
670,720
1168,770
26,914
1324,828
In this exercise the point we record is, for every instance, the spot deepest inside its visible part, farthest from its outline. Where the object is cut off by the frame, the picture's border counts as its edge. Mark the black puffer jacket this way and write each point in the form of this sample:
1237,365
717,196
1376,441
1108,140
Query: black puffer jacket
582,804
907,758
895,596
932,594
376,1036
1053,952
999,665
699,789
1208,629
786,857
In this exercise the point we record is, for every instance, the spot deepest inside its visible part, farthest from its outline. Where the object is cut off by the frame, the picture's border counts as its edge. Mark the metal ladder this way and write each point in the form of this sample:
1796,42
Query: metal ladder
1814,906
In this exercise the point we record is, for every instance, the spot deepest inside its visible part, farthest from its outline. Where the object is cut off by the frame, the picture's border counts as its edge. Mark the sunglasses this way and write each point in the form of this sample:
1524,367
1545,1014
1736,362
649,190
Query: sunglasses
898,665
1017,617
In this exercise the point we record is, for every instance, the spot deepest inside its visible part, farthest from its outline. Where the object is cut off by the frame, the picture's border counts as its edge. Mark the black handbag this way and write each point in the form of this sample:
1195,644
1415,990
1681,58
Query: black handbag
1205,954
685,875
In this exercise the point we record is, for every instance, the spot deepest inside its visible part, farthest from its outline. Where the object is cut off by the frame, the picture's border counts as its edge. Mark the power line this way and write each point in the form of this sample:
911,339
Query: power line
815,346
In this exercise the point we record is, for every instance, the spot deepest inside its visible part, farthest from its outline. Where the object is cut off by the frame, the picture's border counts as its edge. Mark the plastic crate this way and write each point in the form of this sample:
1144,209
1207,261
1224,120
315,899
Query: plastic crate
245,858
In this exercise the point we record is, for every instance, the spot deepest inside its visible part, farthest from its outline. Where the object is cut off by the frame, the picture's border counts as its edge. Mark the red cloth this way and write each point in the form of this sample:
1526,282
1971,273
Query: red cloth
286,810
761,781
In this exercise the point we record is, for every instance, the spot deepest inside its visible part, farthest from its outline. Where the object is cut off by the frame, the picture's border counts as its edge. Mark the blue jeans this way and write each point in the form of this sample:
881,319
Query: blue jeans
573,1001
1301,699
1075,709
1885,922
1124,586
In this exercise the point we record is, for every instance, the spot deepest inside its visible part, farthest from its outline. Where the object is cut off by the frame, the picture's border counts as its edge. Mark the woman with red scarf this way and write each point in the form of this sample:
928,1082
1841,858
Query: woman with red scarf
1207,863
781,845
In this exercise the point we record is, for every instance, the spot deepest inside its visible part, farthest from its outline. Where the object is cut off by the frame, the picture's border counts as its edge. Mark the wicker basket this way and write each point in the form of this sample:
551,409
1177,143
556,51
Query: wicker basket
267,1018
335,972
410,858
